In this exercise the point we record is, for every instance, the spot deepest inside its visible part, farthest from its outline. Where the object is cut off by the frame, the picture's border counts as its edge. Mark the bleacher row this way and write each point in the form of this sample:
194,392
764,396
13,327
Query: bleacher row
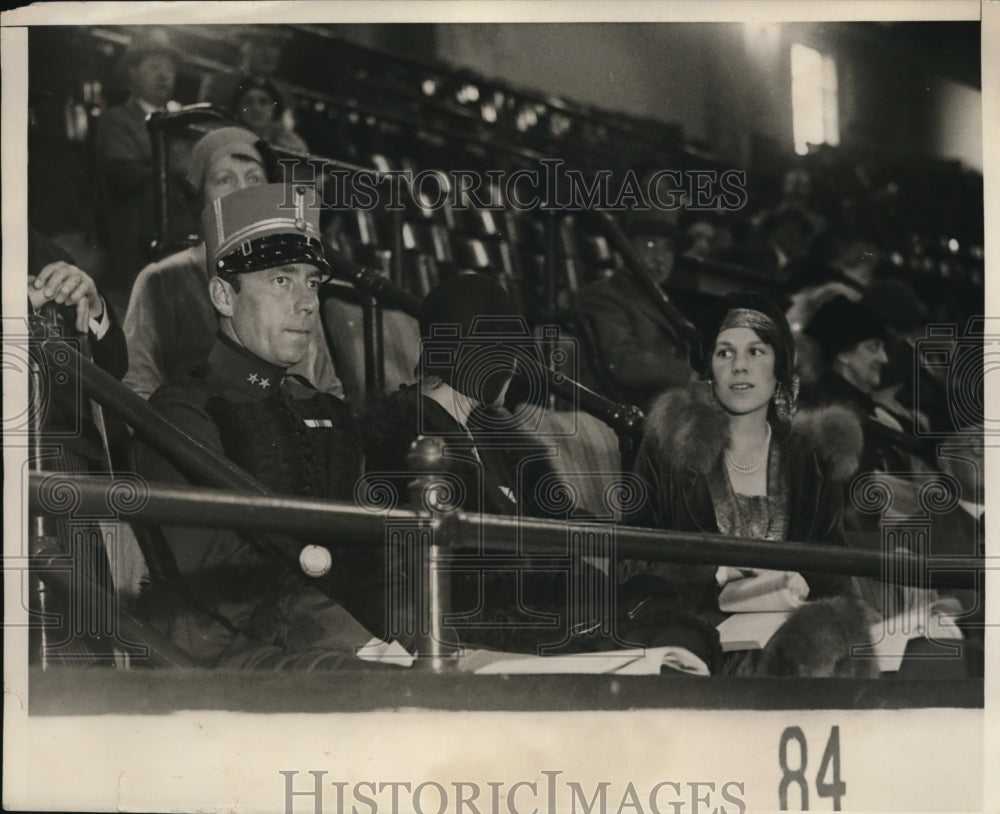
385,113
373,109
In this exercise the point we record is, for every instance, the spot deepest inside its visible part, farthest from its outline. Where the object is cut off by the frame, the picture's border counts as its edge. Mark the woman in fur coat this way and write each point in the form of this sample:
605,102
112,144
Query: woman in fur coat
726,456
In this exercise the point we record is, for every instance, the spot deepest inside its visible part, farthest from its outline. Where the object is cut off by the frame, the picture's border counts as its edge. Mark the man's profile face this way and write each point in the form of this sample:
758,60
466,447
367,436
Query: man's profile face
862,364
230,170
274,312
153,79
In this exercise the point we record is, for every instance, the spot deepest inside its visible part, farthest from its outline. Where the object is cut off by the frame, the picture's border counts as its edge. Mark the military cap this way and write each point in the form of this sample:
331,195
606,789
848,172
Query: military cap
262,227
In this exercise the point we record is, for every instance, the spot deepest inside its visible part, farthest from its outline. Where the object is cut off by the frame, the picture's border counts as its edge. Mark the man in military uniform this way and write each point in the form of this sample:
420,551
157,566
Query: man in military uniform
231,603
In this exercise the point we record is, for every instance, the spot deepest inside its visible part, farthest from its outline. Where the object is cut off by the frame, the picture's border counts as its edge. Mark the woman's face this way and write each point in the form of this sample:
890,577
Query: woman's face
257,109
743,371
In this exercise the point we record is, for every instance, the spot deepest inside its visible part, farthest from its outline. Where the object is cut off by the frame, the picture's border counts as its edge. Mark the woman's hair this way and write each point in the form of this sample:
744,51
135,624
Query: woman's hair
255,82
746,309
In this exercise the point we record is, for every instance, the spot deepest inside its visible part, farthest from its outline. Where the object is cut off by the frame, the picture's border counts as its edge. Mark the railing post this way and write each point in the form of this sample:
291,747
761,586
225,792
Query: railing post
429,552
161,175
374,349
42,541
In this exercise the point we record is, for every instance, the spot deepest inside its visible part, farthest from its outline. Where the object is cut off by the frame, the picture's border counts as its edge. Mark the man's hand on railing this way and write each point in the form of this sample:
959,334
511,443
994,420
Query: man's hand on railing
65,284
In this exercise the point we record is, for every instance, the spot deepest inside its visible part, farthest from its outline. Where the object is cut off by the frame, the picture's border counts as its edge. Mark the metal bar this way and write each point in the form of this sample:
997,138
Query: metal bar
374,352
624,419
551,263
517,536
641,276
205,464
39,530
373,284
315,520
161,165
351,525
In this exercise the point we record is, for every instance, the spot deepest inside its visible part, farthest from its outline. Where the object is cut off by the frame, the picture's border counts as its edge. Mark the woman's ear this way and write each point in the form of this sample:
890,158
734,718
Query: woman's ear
221,293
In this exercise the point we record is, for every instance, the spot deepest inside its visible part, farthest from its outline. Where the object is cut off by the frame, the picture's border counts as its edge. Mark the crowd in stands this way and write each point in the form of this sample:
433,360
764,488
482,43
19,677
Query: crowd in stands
762,406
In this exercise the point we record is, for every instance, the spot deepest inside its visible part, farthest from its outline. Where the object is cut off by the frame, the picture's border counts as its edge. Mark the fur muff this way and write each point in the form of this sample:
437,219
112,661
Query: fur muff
691,430
818,639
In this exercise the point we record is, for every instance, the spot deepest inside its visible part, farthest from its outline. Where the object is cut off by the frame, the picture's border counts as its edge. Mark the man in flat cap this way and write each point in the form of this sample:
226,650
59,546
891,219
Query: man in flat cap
641,353
171,323
253,609
125,152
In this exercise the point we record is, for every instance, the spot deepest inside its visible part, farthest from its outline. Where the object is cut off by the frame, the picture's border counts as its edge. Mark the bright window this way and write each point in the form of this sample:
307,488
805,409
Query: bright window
814,98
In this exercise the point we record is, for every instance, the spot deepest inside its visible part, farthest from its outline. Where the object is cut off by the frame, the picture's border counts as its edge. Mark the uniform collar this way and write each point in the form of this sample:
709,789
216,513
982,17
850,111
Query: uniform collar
239,369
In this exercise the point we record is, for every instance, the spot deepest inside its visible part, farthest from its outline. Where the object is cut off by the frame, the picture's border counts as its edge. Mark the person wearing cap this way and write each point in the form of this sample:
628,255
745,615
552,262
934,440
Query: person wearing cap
852,340
171,323
260,48
783,239
255,610
905,316
731,454
125,155
258,104
640,350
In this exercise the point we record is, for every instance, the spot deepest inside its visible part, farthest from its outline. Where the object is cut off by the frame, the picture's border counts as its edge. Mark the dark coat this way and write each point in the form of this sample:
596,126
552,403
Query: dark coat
125,155
638,347
685,442
70,420
296,441
879,452
500,606
505,478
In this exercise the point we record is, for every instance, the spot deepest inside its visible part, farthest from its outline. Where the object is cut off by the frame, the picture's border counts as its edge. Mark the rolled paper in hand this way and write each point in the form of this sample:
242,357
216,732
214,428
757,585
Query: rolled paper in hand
765,591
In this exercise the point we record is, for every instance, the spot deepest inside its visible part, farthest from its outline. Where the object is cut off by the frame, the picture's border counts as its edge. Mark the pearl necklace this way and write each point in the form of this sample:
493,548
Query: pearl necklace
749,469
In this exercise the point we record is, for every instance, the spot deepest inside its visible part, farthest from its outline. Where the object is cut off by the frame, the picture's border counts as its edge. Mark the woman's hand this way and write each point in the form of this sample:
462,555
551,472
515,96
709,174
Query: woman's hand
65,284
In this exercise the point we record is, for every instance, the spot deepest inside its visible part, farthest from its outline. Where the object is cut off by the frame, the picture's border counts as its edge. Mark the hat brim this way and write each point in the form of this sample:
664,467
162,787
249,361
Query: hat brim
274,251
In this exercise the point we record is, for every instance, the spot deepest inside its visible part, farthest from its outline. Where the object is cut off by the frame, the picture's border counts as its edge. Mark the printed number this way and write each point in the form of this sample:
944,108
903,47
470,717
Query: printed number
829,764
798,775
836,788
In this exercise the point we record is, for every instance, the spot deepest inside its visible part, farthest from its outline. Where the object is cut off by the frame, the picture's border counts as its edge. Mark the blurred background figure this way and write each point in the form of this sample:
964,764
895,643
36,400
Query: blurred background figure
640,352
125,152
259,106
852,338
260,51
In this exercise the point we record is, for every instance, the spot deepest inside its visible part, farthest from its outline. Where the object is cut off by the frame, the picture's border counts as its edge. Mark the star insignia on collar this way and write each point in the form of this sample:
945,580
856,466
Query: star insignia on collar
265,383
252,378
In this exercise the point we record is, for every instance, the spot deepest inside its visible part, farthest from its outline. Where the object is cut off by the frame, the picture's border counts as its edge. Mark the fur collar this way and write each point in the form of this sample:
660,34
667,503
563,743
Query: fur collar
691,431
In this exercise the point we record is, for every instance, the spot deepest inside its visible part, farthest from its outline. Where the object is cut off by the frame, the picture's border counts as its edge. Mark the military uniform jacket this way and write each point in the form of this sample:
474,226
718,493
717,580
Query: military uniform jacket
294,439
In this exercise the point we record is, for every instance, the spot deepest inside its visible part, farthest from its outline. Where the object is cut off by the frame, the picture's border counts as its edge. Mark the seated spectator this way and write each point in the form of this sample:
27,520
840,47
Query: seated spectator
236,603
640,350
839,264
783,238
462,396
500,467
170,323
260,49
63,301
725,456
258,105
125,153
852,339
707,233
836,256
905,317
